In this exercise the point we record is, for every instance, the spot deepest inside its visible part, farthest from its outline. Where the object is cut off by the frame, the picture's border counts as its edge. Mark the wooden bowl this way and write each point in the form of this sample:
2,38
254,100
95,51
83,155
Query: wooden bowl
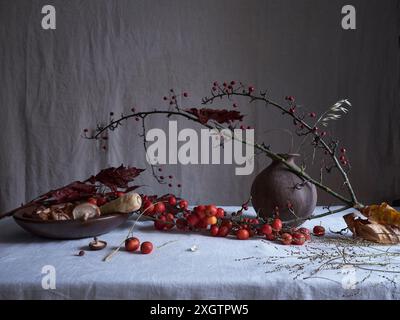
70,229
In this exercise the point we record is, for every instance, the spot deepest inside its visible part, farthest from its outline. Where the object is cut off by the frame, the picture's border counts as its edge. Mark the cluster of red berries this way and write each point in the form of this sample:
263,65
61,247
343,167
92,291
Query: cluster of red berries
169,212
173,97
102,199
132,244
343,160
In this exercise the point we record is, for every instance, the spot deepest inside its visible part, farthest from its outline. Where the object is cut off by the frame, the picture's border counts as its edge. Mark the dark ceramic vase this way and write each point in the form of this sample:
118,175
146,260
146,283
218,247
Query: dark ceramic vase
275,186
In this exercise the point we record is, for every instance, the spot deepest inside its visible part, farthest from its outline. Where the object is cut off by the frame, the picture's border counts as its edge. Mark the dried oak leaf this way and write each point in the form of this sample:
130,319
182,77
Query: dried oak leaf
221,116
382,214
115,178
372,231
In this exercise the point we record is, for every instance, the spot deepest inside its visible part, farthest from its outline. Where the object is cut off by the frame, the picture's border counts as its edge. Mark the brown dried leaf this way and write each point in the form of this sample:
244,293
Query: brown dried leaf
372,231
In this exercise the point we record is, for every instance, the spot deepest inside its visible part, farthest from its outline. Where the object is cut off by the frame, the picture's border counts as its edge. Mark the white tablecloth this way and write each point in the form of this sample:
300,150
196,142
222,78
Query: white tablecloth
220,268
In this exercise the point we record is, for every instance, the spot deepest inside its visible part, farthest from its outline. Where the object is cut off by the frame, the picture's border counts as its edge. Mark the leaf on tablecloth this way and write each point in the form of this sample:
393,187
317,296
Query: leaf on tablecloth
382,214
372,231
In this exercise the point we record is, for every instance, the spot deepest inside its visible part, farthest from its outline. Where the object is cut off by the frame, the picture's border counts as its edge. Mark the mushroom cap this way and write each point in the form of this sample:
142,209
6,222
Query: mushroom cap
97,244
85,211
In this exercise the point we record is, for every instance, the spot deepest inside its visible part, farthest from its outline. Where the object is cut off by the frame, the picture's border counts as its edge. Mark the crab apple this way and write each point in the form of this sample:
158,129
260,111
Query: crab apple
276,224
148,207
270,237
183,204
200,212
286,239
223,231
211,220
220,213
202,224
298,238
304,230
159,207
226,223
160,224
172,201
146,247
266,229
211,210
192,220
242,234
318,231
181,224
214,230
132,244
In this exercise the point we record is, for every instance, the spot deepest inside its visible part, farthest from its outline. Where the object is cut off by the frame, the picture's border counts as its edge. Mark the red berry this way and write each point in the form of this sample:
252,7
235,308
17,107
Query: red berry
172,201
85,130
251,89
214,230
148,207
169,185
215,84
233,83
298,238
200,211
183,204
132,244
101,201
342,150
235,105
224,84
185,94
266,229
214,88
202,224
223,231
192,220
220,213
312,115
165,98
179,185
323,134
242,234
111,113
227,223
342,158
344,162
286,239
92,201
318,231
159,207
211,210
146,247
270,236
181,224
276,224
160,224
304,231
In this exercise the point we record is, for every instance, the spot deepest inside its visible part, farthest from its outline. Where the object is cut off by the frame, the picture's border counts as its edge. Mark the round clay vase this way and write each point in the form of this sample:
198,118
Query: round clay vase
276,186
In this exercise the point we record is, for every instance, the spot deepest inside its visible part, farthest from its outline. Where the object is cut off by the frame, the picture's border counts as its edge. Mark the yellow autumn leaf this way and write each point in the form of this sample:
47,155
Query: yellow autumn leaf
382,214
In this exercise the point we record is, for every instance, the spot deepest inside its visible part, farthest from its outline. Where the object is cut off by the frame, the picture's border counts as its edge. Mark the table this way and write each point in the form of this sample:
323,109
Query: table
220,268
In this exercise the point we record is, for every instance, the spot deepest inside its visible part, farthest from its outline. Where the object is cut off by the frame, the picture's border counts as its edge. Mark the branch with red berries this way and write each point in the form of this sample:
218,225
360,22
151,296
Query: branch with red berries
231,119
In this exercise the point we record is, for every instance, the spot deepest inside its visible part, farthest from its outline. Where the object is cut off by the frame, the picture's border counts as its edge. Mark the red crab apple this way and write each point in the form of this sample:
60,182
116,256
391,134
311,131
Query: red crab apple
132,244
318,231
146,247
286,239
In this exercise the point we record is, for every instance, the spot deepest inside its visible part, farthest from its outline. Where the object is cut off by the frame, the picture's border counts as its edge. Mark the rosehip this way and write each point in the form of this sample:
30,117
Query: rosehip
242,234
132,244
266,229
223,231
160,224
183,204
214,230
286,239
172,201
146,247
276,224
318,231
298,238
159,207
220,213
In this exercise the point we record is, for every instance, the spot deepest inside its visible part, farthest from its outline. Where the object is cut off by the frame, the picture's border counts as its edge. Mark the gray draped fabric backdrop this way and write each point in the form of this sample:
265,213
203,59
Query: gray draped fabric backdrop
110,55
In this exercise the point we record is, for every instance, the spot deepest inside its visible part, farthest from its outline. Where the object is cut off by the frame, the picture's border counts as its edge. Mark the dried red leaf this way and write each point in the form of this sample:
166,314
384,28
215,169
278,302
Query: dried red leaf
115,178
221,116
